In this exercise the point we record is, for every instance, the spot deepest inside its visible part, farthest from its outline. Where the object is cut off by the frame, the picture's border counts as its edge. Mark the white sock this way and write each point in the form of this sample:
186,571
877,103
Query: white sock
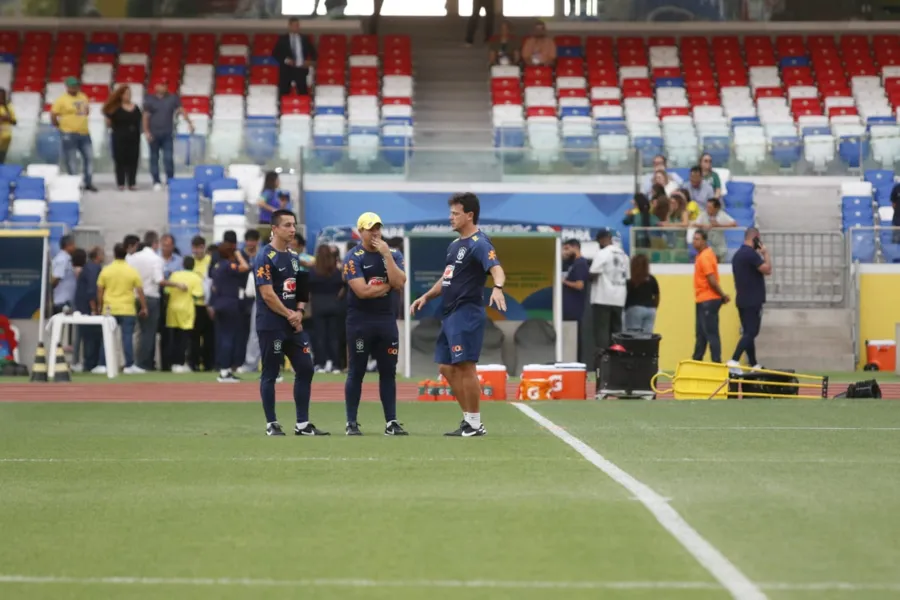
302,425
224,373
474,419
272,423
465,416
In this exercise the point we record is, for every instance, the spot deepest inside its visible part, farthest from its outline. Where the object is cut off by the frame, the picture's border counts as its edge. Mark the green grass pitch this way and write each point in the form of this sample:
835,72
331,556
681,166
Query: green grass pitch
134,501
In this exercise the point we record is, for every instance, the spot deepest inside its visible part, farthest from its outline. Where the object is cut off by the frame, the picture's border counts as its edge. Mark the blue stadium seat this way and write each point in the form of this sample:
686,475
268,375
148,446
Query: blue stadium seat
102,49
578,149
49,145
815,130
6,57
231,70
664,82
863,246
853,149
261,143
574,111
891,252
68,213
649,147
740,121
329,110
228,208
183,234
855,202
883,182
610,127
719,148
329,149
880,120
226,183
10,172
509,137
569,52
683,172
859,218
740,193
183,185
396,149
29,188
263,60
24,218
4,209
786,150
206,174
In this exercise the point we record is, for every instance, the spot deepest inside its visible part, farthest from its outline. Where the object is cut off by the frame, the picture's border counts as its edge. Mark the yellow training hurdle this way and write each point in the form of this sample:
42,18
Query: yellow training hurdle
699,380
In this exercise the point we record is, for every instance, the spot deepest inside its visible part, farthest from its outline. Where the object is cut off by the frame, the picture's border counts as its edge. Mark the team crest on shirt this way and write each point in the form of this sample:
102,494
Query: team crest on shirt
272,254
290,289
360,345
295,264
277,346
460,255
492,255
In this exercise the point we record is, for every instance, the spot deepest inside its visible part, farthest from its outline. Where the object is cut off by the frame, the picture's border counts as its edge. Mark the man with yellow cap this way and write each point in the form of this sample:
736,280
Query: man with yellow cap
374,272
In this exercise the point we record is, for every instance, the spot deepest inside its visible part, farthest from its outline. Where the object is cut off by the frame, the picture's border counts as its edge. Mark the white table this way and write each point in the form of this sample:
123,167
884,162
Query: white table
112,342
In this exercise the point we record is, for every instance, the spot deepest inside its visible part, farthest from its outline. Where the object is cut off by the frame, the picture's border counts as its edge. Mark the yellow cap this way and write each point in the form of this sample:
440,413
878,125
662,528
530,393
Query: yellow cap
368,221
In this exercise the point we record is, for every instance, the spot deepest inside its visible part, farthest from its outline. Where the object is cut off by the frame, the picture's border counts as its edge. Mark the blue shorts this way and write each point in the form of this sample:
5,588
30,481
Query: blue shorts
462,333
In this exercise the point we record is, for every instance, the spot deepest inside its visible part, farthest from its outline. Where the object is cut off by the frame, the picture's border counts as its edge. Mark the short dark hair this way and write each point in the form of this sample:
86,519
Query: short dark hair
198,240
150,238
276,216
65,241
572,242
79,257
751,233
252,235
663,157
230,236
188,263
298,237
293,20
703,235
130,240
119,252
469,203
95,252
715,202
696,169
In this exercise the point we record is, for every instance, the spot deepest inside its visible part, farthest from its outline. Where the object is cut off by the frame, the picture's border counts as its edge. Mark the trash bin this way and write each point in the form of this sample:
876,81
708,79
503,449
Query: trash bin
881,355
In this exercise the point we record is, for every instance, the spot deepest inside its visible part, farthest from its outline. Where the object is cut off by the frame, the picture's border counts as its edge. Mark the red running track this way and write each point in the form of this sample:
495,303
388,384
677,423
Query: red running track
332,391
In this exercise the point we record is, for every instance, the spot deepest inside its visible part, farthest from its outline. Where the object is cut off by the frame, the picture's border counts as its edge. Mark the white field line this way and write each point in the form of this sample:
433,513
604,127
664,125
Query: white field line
731,578
436,583
763,428
286,459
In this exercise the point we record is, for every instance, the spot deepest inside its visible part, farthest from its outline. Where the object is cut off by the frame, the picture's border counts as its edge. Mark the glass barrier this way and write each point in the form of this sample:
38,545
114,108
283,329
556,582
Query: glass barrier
515,153
874,244
674,244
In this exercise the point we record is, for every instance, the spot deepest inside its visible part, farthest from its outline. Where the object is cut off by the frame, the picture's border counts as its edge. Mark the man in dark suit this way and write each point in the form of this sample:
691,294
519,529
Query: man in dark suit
295,54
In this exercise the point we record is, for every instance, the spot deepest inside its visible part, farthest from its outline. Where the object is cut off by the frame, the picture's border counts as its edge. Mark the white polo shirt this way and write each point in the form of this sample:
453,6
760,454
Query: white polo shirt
613,269
150,267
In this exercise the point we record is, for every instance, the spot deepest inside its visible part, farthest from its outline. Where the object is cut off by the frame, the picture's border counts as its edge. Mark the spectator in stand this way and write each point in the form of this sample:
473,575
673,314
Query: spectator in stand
895,219
750,265
271,198
296,55
86,303
539,49
710,176
683,212
610,272
70,115
709,298
202,342
62,275
477,5
661,208
505,46
172,263
643,296
574,285
641,217
699,191
124,118
117,285
325,285
160,111
181,311
7,122
659,163
661,178
713,220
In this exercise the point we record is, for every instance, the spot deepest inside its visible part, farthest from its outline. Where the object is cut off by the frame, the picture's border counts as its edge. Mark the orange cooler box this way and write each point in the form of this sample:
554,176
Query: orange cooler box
569,379
493,376
881,353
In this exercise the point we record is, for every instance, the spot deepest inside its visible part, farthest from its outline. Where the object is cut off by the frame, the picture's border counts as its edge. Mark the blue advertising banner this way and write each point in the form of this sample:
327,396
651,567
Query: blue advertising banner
21,270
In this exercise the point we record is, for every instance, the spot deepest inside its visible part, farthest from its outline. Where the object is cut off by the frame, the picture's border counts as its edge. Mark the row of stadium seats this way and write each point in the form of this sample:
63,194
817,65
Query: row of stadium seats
867,204
788,100
362,97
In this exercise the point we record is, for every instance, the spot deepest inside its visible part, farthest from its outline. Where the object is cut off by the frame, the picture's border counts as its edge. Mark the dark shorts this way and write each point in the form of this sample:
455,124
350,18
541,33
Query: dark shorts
462,333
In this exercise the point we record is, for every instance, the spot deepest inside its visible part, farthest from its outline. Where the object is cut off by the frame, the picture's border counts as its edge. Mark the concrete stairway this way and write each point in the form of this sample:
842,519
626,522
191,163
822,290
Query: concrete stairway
810,340
109,214
453,137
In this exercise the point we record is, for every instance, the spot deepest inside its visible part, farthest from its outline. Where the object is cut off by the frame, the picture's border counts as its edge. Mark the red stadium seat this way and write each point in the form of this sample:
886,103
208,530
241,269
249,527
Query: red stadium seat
231,61
263,44
364,45
606,102
195,105
70,38
330,76
131,74
296,105
38,39
263,75
138,43
663,72
572,41
105,59
363,75
398,101
674,111
201,40
96,93
234,39
538,76
769,92
573,93
104,37
169,40
661,40
842,111
230,84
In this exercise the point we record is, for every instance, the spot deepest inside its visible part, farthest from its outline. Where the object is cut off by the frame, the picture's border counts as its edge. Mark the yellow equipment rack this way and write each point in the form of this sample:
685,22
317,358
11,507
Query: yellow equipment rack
699,380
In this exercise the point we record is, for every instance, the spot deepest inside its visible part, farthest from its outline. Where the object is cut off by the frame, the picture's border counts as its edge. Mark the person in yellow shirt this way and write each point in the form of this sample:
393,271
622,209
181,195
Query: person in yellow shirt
202,340
117,285
7,120
70,115
181,311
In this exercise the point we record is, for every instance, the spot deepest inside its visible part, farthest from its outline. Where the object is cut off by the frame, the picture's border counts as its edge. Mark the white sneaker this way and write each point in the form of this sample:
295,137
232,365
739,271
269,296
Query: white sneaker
99,370
280,379
335,371
244,369
328,366
758,366
77,368
133,370
734,366
180,369
157,187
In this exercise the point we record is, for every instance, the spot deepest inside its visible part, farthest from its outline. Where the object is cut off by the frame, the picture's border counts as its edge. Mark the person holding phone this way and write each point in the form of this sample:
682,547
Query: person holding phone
750,265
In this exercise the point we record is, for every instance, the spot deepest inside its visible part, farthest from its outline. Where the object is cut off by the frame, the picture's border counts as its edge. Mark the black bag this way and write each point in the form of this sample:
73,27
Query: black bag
14,370
639,344
768,385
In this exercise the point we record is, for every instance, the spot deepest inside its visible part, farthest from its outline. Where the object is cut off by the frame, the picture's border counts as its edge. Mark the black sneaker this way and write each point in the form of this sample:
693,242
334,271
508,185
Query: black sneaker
228,378
466,430
353,429
310,429
394,428
274,429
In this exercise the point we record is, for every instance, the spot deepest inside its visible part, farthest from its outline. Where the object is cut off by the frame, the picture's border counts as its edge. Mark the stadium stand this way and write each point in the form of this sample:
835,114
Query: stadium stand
784,99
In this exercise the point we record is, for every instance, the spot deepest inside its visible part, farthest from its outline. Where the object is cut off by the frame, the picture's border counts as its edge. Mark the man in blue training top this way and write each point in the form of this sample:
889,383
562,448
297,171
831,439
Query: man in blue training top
374,273
470,258
281,291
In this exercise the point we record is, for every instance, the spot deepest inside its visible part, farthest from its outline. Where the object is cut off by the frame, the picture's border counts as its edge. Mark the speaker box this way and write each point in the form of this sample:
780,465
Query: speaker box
625,374
768,384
